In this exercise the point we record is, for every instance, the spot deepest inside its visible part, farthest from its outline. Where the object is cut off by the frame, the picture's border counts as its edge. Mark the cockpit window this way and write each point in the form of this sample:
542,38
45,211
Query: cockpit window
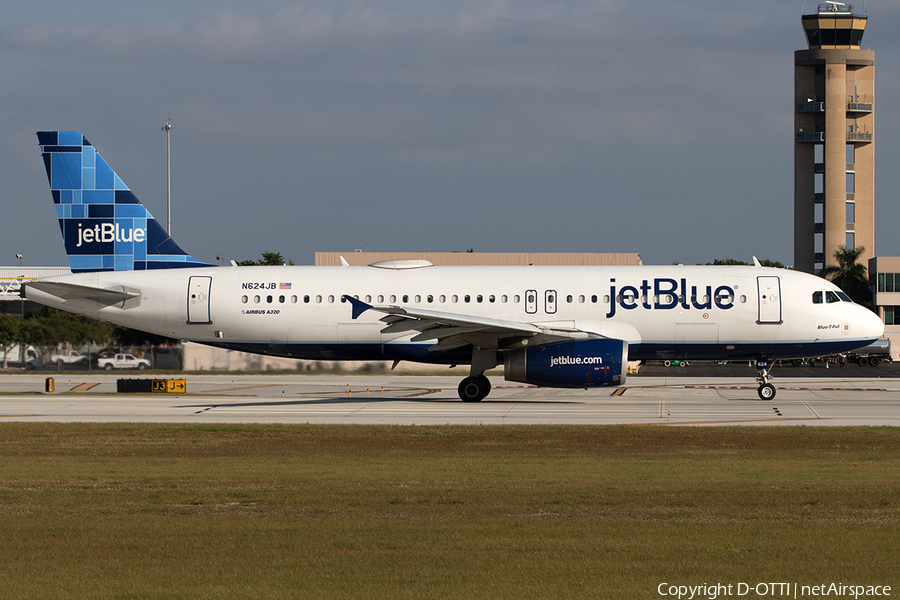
831,297
817,297
844,297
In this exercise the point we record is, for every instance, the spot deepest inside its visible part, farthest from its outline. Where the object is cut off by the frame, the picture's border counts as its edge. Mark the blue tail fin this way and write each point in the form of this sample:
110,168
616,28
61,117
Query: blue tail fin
104,226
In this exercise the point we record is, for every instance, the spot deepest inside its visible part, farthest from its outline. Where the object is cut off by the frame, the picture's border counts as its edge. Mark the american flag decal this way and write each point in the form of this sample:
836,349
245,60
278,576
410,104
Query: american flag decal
284,286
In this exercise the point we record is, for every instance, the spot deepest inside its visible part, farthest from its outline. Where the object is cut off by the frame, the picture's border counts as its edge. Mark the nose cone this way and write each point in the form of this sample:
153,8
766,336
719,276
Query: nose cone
872,325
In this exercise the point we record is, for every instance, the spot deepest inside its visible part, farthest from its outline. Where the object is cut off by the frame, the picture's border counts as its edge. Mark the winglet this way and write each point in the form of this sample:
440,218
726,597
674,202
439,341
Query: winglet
359,307
756,262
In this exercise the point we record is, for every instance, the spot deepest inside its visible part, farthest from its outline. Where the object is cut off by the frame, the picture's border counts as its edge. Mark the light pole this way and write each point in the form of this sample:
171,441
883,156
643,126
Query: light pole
19,256
167,129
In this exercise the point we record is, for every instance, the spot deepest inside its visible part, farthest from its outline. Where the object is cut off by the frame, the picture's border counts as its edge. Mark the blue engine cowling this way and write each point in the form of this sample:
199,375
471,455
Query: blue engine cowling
575,363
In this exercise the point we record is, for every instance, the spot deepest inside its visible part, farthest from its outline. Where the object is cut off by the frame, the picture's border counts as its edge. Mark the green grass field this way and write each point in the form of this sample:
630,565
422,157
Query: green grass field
254,511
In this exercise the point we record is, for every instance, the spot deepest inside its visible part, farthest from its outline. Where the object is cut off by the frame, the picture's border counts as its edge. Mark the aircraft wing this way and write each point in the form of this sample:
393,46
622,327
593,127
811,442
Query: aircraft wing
126,297
454,330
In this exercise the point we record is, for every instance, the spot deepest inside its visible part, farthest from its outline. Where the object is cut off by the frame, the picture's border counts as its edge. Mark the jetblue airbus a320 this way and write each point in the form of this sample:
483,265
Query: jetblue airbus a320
549,326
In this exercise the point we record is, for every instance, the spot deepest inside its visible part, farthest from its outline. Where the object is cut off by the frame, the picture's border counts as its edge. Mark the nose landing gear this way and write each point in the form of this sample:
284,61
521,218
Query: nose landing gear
766,390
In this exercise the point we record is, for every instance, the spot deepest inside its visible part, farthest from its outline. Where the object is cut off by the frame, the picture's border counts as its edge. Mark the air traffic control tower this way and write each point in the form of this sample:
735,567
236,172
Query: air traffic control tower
834,151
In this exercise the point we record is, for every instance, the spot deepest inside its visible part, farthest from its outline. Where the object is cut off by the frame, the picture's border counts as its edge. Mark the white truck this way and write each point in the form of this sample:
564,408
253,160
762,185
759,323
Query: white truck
68,357
123,361
14,355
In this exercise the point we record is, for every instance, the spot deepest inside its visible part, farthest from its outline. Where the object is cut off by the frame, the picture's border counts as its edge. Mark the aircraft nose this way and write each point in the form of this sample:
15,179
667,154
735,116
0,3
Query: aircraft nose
873,326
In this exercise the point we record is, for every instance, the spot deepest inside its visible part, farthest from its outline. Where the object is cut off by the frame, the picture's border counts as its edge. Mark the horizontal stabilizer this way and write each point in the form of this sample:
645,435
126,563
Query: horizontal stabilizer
127,298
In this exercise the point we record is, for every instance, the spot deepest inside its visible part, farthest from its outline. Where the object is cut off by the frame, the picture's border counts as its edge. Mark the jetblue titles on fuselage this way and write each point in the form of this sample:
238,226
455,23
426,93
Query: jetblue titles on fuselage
667,294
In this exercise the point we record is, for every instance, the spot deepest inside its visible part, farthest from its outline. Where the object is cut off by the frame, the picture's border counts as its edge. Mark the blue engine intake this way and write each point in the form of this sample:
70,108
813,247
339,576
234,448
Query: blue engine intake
575,363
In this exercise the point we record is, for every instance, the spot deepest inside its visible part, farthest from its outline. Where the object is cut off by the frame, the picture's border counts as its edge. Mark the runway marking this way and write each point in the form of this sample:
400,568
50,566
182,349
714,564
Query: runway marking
378,390
84,387
621,391
727,421
409,393
248,387
811,409
796,389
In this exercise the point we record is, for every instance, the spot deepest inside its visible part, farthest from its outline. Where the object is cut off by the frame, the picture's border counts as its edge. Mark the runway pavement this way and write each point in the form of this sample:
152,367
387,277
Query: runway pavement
680,399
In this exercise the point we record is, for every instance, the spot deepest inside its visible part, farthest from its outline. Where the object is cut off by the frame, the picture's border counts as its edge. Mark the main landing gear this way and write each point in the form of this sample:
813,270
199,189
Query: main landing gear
766,390
477,386
474,389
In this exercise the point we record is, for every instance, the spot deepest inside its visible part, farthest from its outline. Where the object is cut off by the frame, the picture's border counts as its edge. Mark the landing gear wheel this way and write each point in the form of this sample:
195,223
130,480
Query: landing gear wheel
485,384
473,389
766,391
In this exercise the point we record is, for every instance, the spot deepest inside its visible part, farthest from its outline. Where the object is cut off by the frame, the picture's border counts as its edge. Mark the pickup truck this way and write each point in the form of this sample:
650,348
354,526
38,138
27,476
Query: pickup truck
69,358
123,361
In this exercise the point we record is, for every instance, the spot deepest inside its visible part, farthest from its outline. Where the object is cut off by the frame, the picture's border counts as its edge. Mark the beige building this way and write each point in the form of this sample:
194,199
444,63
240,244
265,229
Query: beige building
834,150
885,271
360,258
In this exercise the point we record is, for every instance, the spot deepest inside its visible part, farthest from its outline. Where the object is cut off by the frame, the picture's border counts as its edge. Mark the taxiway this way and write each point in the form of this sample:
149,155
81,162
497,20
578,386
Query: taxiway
418,400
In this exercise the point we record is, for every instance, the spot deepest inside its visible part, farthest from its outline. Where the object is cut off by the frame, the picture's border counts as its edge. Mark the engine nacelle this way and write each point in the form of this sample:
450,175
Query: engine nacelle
575,363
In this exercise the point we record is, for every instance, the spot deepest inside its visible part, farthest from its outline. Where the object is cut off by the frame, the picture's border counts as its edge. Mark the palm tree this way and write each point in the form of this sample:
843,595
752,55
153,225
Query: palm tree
849,275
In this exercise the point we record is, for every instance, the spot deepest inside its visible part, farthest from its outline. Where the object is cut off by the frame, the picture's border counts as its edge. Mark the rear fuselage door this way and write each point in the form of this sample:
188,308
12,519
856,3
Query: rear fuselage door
769,289
198,299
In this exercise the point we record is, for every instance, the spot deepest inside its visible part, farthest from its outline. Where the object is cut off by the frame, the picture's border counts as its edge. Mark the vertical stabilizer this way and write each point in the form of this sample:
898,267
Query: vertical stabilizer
104,225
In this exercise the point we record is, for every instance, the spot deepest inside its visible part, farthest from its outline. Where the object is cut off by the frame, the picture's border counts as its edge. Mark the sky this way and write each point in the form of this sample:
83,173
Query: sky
664,128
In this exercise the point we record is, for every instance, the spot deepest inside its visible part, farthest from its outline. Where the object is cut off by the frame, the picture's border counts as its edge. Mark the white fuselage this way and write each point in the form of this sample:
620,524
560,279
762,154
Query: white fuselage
701,312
